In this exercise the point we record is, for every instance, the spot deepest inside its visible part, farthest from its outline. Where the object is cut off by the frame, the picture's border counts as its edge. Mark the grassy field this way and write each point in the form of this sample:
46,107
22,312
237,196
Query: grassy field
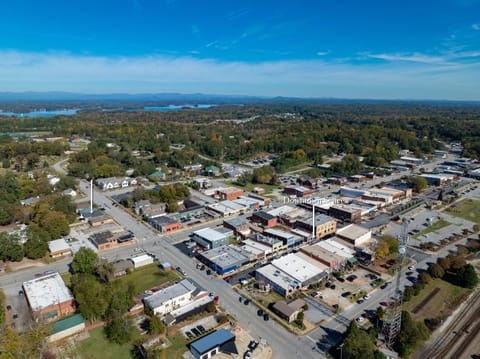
441,223
148,277
467,209
266,298
177,348
250,186
98,347
441,304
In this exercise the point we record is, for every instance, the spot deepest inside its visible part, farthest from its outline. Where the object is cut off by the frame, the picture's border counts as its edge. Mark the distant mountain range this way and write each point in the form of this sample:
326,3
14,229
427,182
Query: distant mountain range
195,98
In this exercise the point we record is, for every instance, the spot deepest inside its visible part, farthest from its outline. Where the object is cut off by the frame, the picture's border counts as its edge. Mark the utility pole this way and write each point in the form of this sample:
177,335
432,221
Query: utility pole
91,196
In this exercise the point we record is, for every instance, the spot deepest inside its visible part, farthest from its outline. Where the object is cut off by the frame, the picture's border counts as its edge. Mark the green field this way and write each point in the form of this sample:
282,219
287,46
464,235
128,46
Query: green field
250,186
441,223
97,346
148,277
467,209
441,304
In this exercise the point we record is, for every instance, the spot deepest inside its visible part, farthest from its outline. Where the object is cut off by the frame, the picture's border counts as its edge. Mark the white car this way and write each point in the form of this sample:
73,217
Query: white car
366,297
411,267
360,319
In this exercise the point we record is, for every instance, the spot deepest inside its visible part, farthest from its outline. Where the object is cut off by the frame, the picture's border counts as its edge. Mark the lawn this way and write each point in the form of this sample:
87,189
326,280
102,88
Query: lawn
149,277
97,346
178,346
467,209
441,304
250,186
266,298
441,223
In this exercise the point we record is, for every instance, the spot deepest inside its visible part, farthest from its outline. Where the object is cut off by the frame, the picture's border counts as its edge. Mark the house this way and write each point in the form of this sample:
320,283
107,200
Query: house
264,218
67,327
220,341
59,248
153,210
30,201
70,192
164,224
48,297
258,190
289,310
53,180
141,204
122,267
113,183
212,171
157,176
194,168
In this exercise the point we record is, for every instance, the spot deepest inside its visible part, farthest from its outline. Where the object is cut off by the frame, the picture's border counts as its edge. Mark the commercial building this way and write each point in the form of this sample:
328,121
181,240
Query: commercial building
220,341
48,297
141,260
355,236
170,298
165,224
264,218
239,226
345,213
224,259
324,225
276,245
438,179
103,240
330,253
256,249
229,193
59,248
289,239
298,191
209,238
100,220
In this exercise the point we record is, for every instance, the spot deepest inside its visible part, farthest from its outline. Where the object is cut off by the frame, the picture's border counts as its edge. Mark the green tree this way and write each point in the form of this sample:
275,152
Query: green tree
55,223
35,248
90,295
419,183
467,276
263,174
357,343
444,262
155,325
412,334
7,213
120,330
10,248
85,261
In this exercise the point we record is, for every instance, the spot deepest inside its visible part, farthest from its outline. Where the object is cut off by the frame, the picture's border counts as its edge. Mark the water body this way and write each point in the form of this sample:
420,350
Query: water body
177,107
43,113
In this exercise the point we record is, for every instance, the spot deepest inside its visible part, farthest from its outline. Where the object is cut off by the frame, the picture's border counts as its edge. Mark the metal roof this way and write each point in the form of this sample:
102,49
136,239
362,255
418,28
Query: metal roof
212,341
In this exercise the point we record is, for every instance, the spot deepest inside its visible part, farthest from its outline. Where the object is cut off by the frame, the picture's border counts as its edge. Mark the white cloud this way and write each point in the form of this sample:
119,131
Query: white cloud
21,71
415,57
323,53
476,26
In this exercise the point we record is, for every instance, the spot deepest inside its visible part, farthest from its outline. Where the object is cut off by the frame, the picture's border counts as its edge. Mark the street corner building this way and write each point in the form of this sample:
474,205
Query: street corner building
48,297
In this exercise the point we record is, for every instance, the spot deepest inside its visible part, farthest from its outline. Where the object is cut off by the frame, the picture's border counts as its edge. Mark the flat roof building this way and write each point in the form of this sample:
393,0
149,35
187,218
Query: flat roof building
170,298
354,235
48,297
220,341
141,260
210,238
164,224
59,248
224,259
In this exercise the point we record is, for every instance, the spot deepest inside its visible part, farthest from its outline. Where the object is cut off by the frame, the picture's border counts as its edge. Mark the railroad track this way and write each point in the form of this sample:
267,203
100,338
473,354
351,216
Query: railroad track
454,334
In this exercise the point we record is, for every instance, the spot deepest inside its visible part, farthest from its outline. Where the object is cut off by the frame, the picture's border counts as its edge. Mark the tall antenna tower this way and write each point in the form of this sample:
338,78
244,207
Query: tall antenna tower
393,320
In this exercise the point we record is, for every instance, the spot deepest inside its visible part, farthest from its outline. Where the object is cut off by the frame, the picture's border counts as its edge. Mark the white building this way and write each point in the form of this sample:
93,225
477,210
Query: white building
170,298
141,260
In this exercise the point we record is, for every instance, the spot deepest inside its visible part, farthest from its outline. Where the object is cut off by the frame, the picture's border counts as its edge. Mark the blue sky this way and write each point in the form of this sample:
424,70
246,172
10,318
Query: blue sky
346,49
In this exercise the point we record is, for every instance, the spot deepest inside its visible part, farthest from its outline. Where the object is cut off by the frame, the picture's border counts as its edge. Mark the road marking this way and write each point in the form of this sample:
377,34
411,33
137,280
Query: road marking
309,337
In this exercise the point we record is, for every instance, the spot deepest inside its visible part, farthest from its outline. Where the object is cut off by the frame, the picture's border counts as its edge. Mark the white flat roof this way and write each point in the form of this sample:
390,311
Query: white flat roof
281,210
336,248
210,234
233,205
353,231
58,245
141,258
256,247
45,291
279,277
297,267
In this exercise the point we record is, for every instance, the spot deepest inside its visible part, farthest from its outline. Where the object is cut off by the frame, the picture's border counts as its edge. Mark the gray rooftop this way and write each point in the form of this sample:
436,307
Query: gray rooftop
163,295
225,256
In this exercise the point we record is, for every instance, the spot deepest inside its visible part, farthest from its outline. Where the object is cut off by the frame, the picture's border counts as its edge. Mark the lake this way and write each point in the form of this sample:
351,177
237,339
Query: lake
43,113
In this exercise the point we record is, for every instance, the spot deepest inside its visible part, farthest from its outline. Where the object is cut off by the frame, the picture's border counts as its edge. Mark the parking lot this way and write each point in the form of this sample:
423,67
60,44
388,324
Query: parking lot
199,327
19,313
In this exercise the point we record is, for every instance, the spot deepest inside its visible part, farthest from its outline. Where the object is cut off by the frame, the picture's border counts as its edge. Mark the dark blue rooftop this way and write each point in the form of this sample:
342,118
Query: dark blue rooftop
211,341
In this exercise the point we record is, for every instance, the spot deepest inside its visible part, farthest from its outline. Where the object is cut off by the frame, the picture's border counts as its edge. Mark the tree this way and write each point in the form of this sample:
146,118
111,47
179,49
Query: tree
419,183
65,205
444,262
55,223
424,277
120,330
467,277
263,174
90,295
412,334
155,325
357,344
85,261
35,248
436,271
6,213
380,312
10,248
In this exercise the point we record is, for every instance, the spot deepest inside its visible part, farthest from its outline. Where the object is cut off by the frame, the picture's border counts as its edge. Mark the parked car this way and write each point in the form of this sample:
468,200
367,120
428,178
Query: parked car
333,286
366,297
181,271
195,331
189,335
266,317
351,278
346,294
360,319
246,302
260,312
201,328
360,301
411,267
